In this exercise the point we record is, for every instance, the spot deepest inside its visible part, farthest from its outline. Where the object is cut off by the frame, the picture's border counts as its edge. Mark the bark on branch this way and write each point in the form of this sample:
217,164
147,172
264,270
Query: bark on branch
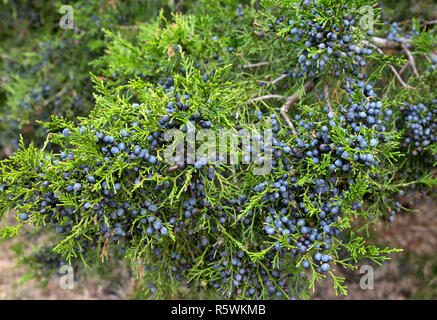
293,99
266,97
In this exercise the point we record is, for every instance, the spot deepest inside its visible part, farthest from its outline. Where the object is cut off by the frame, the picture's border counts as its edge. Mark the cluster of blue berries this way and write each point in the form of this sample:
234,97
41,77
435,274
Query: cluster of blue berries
324,45
148,218
396,34
421,126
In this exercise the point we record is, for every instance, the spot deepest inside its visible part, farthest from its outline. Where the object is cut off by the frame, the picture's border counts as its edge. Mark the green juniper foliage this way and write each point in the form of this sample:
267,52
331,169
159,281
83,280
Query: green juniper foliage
348,137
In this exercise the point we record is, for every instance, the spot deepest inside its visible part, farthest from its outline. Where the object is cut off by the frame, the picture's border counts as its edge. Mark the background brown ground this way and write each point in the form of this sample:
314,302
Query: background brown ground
90,288
414,232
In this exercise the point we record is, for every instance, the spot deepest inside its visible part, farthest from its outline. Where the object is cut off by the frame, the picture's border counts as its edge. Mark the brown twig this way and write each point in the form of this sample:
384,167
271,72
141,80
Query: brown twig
291,100
411,60
328,101
309,86
427,23
290,124
283,76
386,44
172,169
403,69
140,273
266,97
408,21
256,65
424,23
179,5
275,80
427,58
104,250
259,64
401,81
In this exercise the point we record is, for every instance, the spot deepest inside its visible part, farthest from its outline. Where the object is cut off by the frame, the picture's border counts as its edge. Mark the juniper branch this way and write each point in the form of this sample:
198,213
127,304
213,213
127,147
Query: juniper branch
255,65
291,100
403,69
387,44
411,60
279,79
290,124
393,69
259,64
266,97
427,23
328,101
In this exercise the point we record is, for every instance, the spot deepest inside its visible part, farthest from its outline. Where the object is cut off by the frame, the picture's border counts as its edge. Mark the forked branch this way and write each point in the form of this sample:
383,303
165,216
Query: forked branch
293,99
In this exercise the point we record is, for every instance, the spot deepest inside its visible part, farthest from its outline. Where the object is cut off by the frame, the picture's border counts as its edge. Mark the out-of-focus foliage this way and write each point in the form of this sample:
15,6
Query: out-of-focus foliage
44,69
